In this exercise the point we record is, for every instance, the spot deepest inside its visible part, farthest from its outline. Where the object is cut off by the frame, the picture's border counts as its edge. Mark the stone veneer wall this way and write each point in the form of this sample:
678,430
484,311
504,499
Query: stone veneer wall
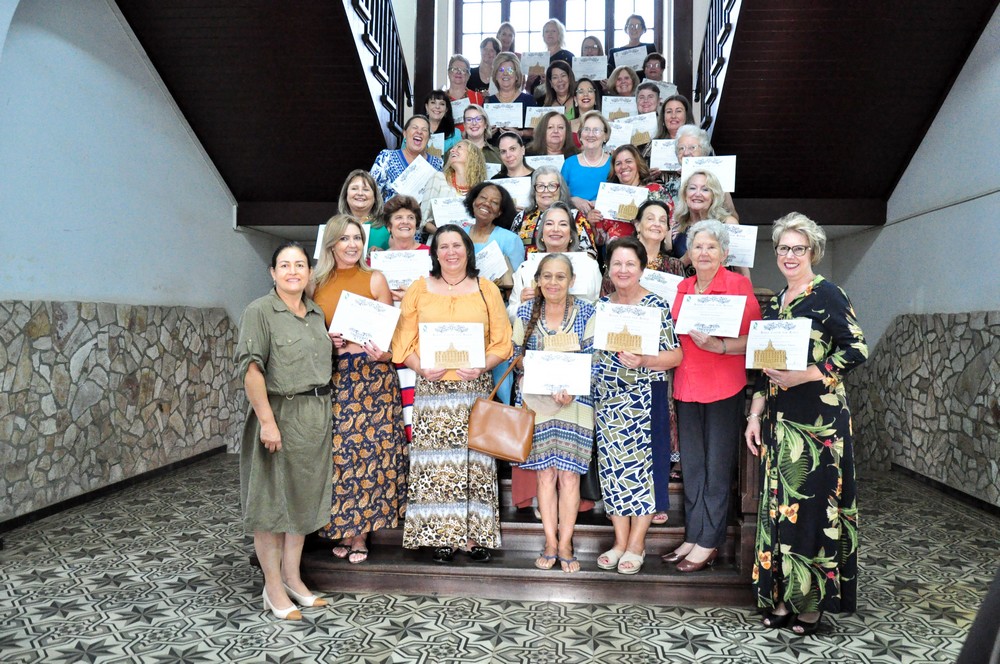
94,393
927,400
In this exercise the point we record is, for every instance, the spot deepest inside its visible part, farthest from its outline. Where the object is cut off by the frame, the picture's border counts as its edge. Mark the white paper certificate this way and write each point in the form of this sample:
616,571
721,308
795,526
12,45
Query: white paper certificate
718,315
534,63
664,155
518,188
631,57
663,284
452,346
451,211
436,145
742,245
582,264
491,262
594,67
666,89
627,327
616,108
533,114
723,167
492,169
548,372
458,107
620,201
402,267
360,319
779,344
506,115
635,129
413,180
553,160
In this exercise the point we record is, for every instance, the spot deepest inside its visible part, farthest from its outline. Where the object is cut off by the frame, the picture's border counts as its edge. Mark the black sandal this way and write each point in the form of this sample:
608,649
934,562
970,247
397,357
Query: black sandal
479,554
444,555
806,628
776,620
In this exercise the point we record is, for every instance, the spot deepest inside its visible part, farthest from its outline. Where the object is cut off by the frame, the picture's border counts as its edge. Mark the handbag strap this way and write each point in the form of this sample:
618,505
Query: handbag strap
510,368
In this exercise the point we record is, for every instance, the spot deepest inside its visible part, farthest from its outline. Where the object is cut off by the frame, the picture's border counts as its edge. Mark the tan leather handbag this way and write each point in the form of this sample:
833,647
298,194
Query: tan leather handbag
501,431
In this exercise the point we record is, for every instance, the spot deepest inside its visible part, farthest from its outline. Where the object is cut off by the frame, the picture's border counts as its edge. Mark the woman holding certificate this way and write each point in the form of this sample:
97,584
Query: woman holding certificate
701,197
693,141
629,168
674,113
509,79
564,423
369,439
709,394
283,356
390,164
584,172
549,187
630,393
465,169
800,425
437,105
453,501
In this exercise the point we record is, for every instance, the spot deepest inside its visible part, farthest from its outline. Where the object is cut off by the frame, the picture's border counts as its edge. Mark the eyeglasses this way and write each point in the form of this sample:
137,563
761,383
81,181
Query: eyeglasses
634,26
541,186
585,91
596,131
475,119
654,65
798,250
505,70
457,70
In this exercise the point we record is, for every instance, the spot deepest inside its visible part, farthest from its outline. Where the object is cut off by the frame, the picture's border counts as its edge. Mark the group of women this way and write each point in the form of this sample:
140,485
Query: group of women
392,442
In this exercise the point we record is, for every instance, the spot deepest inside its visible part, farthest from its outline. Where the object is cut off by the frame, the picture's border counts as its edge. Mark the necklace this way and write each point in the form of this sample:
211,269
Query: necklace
457,187
699,289
452,285
586,160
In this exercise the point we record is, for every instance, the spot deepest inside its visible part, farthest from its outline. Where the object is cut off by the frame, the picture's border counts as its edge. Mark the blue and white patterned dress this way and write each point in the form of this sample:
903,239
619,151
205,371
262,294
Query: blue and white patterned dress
389,164
631,419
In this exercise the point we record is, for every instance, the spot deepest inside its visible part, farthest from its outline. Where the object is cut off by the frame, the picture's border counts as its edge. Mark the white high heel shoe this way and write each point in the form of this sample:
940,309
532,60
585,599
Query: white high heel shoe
291,613
305,600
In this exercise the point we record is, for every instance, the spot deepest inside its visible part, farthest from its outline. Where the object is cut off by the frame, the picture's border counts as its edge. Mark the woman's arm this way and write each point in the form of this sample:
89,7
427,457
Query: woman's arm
256,389
752,433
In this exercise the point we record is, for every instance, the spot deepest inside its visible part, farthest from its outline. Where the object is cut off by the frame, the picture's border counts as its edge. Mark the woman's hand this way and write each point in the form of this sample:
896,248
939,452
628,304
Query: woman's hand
469,374
630,360
528,294
338,340
270,437
563,398
375,353
594,216
787,379
432,375
397,295
707,342
752,435
581,204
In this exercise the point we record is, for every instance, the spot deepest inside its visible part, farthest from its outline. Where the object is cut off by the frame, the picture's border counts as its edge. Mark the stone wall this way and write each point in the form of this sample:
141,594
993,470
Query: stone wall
94,393
927,400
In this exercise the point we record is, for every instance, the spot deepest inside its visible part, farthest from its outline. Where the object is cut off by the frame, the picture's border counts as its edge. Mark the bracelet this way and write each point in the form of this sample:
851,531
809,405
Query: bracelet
753,416
723,346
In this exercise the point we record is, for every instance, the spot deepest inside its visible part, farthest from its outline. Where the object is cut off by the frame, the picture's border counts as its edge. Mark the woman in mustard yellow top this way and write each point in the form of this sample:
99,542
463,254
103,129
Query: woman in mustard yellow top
453,500
369,438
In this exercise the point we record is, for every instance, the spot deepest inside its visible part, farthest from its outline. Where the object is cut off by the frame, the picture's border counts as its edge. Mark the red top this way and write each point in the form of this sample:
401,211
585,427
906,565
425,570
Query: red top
704,376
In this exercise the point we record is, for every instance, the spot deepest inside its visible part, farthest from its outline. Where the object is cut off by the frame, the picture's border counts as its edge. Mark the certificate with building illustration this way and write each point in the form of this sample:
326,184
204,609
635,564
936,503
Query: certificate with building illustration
717,315
491,262
635,129
616,108
401,268
779,344
663,284
533,114
505,115
553,160
594,67
723,167
451,210
435,146
452,346
627,328
534,63
360,319
620,201
414,178
518,188
663,155
742,245
631,57
547,372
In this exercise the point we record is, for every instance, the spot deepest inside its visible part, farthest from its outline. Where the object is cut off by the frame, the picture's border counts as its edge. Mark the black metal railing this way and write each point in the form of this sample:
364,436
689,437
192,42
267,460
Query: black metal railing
719,32
382,55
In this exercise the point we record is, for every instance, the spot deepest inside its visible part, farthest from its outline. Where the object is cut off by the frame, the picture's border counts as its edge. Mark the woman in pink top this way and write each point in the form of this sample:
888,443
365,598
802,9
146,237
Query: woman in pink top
709,387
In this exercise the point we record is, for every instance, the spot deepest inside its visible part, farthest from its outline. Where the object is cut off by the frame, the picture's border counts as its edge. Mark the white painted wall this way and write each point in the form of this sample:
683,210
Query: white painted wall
106,195
937,252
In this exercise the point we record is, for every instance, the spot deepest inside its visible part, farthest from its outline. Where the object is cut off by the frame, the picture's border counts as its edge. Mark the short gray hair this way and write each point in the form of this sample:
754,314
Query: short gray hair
713,227
800,223
697,132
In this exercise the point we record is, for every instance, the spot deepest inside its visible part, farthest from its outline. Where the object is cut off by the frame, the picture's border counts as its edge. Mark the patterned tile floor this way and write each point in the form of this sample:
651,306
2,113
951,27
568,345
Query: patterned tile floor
158,573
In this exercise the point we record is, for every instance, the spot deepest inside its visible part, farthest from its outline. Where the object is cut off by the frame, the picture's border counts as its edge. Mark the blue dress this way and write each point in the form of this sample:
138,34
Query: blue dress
584,181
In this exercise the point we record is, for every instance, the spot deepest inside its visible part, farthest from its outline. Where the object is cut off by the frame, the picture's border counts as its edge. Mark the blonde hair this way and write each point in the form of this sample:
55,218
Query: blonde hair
475,164
326,266
800,223
508,58
682,213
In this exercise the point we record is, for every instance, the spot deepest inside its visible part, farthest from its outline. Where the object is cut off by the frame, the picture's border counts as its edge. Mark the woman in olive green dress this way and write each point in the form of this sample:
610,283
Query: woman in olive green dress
285,358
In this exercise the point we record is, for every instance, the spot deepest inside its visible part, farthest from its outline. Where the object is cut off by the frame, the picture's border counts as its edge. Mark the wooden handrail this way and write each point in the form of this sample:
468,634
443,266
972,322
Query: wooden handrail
715,50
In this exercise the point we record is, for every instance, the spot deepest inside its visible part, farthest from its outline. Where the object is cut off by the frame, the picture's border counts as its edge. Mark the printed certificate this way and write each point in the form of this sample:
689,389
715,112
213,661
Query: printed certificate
518,188
631,57
505,115
452,346
534,63
492,169
779,344
458,107
594,67
413,180
547,372
620,201
616,108
451,210
718,315
402,268
742,245
628,328
553,160
723,167
635,129
533,114
666,89
491,262
436,145
360,319
663,284
664,155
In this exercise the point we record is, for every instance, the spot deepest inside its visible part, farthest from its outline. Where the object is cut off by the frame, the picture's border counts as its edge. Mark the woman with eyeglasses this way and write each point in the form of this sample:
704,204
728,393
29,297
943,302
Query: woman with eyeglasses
459,71
478,131
635,28
479,77
588,98
509,79
547,187
800,426
584,172
591,47
653,67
